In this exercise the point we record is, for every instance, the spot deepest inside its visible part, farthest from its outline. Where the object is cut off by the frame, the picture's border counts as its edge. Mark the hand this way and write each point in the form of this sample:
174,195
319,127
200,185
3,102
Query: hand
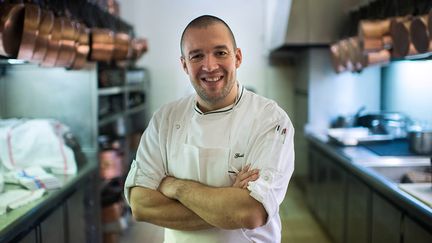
168,187
244,176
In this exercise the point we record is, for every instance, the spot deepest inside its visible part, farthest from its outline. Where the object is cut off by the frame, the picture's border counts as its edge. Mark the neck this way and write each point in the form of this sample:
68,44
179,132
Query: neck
230,99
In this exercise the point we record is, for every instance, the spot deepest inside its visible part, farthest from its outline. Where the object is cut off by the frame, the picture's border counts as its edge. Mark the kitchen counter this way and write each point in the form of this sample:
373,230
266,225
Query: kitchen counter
22,220
380,173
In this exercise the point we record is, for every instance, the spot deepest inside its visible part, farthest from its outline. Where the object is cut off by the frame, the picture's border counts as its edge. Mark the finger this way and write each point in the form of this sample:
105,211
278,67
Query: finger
247,174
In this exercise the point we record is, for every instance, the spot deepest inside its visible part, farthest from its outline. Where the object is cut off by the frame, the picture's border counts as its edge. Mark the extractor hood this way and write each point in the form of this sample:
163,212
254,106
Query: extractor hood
307,23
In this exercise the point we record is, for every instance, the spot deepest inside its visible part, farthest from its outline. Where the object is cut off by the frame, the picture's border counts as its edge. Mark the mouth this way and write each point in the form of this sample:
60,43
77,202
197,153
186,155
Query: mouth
212,79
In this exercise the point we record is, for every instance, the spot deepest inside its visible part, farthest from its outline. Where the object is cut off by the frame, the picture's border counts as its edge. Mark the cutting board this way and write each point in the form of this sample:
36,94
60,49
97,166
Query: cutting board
421,191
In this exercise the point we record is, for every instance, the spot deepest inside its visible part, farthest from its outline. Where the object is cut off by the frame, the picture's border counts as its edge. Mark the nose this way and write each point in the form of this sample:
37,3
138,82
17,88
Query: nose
210,64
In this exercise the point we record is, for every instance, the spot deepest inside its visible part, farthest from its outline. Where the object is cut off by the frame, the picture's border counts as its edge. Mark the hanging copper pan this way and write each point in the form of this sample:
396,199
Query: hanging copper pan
122,46
45,28
399,31
374,29
32,18
53,44
102,45
381,57
139,47
336,58
355,54
82,48
419,33
11,25
66,52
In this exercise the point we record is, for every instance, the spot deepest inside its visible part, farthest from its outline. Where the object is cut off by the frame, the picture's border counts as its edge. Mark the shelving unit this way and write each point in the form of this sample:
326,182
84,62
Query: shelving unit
121,120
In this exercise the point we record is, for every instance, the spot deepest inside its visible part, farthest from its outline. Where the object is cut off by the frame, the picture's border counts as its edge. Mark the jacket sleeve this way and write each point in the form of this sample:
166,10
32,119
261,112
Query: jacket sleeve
147,170
272,151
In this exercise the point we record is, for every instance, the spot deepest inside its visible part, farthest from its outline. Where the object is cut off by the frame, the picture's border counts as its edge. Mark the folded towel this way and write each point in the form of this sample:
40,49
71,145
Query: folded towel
13,199
33,178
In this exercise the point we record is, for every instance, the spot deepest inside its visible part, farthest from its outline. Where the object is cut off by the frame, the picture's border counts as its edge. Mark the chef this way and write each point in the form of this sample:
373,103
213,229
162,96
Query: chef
214,166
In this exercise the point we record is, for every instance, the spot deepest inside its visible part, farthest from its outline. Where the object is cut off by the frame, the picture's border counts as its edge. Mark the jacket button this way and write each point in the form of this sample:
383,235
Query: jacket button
177,126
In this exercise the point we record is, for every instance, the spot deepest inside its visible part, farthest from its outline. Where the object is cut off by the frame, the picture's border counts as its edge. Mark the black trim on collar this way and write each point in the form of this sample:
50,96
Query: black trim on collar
221,111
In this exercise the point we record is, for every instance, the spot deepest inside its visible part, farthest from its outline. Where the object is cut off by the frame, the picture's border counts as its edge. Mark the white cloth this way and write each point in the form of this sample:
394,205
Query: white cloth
254,131
35,142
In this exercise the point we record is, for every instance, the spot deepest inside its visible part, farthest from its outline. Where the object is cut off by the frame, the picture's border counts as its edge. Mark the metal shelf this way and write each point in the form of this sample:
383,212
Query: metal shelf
110,118
136,109
111,91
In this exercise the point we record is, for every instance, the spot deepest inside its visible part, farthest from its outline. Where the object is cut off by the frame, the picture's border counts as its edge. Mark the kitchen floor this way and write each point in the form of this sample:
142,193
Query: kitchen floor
298,224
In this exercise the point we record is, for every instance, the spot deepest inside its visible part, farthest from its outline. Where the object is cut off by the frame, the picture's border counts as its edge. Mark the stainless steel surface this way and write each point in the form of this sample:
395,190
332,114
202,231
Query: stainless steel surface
69,96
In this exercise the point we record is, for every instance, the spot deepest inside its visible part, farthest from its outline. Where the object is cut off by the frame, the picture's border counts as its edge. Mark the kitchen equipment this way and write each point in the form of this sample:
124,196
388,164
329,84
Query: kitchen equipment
347,120
102,46
122,46
392,123
45,28
400,33
11,25
419,34
53,44
32,18
67,53
374,29
420,141
82,47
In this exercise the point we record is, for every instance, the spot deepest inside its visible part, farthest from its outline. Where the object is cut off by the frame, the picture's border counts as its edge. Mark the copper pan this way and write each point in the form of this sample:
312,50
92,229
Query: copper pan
82,48
374,29
53,44
139,47
122,46
45,28
11,25
381,57
69,36
32,18
344,55
429,24
102,45
336,58
419,33
355,54
399,31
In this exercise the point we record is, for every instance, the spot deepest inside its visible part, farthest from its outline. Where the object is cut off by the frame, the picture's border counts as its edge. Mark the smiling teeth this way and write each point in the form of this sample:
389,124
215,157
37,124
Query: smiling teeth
212,79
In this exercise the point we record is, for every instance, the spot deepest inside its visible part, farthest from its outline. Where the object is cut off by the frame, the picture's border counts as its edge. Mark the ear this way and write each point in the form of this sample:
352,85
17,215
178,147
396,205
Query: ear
183,61
239,57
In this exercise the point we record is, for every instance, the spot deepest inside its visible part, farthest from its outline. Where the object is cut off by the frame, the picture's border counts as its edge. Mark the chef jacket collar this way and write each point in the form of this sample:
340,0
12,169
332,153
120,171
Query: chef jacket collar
224,109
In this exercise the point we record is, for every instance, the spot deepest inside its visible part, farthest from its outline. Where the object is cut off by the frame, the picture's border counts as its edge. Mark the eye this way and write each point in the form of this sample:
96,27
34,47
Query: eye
196,57
221,53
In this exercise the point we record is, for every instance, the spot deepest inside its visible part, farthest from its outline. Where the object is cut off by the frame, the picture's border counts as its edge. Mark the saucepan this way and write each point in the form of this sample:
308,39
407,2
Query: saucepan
69,36
11,24
32,18
45,28
419,33
420,141
102,44
82,47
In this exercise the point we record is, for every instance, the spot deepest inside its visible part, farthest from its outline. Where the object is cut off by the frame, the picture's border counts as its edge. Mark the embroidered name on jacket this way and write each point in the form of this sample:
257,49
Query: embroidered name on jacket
238,155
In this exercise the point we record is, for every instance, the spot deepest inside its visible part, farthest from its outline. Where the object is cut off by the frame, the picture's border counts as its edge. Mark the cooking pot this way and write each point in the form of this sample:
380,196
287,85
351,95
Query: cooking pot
392,123
420,142
419,34
11,25
32,18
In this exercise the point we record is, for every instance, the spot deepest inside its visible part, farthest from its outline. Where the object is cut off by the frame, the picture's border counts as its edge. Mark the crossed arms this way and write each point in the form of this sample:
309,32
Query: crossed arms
189,205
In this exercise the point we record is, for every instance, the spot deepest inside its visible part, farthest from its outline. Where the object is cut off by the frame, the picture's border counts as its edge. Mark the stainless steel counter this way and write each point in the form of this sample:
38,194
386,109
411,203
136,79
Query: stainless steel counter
381,173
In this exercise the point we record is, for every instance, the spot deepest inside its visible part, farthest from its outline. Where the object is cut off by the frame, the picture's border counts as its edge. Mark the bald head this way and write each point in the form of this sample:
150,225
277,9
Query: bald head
203,22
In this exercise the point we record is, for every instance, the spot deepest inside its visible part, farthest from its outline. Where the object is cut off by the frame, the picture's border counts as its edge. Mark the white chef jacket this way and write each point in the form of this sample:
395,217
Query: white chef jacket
186,143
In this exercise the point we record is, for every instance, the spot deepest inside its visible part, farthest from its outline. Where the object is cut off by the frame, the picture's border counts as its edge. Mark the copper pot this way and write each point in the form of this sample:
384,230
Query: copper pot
355,54
45,28
69,36
381,57
399,31
53,44
82,48
102,46
32,18
139,47
374,29
335,53
419,34
122,46
11,25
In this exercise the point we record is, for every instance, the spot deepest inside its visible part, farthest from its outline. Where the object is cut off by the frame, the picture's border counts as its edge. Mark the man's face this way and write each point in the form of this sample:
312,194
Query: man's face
211,62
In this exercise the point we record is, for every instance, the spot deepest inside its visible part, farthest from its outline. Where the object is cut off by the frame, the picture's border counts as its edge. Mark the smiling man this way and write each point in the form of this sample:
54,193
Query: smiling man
215,166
